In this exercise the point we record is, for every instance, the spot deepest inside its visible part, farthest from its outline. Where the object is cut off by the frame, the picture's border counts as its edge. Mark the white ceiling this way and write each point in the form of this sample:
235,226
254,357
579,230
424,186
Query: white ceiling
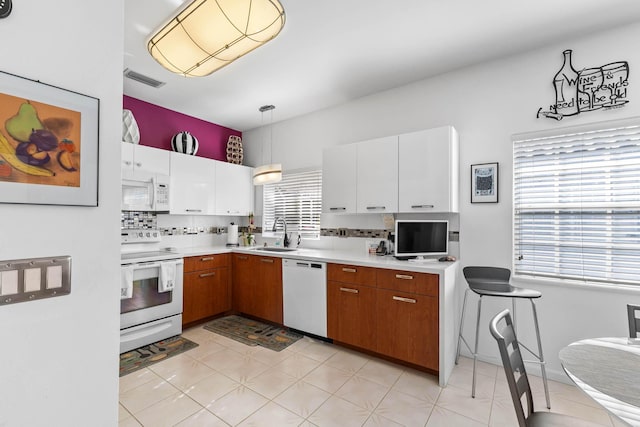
334,51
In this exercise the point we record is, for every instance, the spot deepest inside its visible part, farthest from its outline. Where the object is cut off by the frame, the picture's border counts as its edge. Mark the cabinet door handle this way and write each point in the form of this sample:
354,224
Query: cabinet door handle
213,273
138,164
350,290
371,208
337,209
209,258
193,210
270,261
421,206
401,299
127,162
242,257
349,270
404,276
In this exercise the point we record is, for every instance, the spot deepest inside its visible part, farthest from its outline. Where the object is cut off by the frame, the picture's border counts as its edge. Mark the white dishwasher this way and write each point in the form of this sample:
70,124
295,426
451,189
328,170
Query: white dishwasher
304,290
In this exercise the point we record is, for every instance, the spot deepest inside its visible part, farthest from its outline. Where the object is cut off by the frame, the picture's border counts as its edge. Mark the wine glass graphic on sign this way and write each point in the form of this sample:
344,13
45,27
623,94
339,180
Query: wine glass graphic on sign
615,80
590,80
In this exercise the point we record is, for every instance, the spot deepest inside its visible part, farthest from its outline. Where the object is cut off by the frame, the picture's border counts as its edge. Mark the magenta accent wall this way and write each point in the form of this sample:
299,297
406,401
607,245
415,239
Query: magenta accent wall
157,125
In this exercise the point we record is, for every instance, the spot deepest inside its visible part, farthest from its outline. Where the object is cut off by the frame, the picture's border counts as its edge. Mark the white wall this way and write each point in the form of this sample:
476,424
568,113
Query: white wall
486,103
59,356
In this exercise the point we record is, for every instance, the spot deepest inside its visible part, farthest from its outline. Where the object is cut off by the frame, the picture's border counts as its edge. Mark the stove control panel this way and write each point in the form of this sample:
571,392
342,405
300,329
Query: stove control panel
140,236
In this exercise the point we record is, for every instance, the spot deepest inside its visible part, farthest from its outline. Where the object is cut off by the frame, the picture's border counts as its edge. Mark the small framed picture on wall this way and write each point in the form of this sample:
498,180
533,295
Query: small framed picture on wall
484,183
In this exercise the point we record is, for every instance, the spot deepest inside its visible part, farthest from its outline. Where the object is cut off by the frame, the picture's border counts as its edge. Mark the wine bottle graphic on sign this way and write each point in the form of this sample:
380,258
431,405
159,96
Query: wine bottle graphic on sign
565,83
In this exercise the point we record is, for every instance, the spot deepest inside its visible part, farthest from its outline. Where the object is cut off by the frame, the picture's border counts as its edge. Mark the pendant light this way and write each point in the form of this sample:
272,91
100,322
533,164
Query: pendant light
267,174
206,35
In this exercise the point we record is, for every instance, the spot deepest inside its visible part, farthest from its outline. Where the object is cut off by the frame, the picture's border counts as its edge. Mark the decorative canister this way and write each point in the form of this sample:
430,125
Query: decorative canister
184,142
130,131
235,153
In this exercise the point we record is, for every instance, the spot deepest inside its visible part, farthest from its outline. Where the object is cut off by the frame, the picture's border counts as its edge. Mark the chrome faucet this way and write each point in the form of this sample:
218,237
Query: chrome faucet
285,240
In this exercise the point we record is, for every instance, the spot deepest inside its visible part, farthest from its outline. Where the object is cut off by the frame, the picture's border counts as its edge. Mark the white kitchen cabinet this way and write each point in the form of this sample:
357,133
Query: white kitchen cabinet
234,189
339,179
140,158
192,185
377,175
428,171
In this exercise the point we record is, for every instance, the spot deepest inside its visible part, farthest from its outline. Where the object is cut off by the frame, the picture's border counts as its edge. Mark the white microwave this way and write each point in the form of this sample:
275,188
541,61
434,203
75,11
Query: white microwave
145,192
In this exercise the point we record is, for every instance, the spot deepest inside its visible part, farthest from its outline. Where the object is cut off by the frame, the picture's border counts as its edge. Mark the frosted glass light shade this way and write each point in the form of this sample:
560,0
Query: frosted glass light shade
267,174
208,34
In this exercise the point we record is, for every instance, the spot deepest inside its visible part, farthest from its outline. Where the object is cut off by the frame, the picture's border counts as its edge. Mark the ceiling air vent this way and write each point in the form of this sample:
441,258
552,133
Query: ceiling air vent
142,78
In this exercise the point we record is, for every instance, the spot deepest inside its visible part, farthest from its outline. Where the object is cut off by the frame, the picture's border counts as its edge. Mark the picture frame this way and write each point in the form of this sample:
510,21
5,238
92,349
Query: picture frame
484,183
48,144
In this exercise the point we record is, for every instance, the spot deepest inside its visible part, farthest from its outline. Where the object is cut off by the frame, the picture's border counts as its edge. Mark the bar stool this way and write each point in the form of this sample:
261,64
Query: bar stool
494,282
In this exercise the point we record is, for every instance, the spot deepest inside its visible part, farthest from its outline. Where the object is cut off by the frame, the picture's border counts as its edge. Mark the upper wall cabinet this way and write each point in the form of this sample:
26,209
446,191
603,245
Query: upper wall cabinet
192,185
428,171
377,175
339,179
136,158
413,172
234,189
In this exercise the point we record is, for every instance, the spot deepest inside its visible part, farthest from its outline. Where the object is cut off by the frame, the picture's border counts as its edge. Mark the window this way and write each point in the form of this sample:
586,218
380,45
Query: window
576,196
298,199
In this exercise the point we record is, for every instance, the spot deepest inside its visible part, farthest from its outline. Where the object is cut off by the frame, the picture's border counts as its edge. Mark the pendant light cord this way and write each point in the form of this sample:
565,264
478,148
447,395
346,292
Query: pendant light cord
262,110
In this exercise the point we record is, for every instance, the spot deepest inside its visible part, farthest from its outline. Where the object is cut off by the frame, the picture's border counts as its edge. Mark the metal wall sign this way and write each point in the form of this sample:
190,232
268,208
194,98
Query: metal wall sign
590,89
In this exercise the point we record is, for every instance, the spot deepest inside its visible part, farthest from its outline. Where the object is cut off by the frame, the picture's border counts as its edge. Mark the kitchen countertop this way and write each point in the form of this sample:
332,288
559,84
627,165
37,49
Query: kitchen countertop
329,255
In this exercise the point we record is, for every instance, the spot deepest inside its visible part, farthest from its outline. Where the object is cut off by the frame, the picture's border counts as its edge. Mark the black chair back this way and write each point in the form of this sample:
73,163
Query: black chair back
634,321
513,364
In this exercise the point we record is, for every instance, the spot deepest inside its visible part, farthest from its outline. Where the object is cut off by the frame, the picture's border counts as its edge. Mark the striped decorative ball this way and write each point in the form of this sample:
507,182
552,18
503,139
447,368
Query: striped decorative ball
184,142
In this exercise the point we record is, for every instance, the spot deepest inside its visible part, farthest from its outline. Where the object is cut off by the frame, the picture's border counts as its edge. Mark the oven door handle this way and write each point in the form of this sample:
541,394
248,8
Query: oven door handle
141,265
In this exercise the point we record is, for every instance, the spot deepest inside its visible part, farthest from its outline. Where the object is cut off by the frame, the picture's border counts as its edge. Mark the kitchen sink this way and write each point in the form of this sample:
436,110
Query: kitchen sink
274,249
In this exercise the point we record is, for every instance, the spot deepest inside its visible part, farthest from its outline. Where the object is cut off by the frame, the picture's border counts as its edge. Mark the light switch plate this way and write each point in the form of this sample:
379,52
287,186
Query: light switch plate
8,282
54,277
32,279
36,278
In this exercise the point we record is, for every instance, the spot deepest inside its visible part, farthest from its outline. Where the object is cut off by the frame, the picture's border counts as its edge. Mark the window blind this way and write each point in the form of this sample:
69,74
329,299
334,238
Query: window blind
576,196
298,199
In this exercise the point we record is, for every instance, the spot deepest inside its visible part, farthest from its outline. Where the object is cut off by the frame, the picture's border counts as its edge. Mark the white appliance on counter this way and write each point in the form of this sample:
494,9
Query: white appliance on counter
145,192
304,289
151,291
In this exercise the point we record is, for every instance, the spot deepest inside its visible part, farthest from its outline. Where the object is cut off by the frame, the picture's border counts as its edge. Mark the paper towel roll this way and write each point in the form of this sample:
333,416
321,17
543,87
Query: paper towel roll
232,235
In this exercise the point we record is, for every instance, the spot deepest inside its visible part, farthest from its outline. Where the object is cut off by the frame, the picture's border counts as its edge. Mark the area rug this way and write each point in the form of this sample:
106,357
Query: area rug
252,332
147,355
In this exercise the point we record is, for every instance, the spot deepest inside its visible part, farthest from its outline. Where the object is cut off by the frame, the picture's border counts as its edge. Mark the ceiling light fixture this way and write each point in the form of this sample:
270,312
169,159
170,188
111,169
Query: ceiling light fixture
208,34
267,174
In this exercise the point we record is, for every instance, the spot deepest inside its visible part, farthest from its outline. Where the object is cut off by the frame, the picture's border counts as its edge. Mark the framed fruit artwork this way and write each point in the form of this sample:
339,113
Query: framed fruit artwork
48,144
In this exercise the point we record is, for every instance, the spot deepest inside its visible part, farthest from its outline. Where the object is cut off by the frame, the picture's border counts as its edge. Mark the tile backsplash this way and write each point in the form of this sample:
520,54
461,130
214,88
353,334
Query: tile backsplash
134,220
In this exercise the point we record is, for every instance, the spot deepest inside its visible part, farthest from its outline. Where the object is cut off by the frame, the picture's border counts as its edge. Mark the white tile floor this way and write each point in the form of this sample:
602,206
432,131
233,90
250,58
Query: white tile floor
312,383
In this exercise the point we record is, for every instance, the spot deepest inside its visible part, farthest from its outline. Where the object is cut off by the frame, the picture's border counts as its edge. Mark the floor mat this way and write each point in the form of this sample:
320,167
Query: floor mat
147,355
252,332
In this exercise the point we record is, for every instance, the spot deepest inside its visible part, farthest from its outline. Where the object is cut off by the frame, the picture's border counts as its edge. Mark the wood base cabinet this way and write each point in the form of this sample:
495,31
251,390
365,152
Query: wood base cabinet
408,323
351,316
391,312
408,327
206,287
257,286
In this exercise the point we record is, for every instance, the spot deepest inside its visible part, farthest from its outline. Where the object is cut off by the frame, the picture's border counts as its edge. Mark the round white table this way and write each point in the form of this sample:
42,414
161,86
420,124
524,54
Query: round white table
608,370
